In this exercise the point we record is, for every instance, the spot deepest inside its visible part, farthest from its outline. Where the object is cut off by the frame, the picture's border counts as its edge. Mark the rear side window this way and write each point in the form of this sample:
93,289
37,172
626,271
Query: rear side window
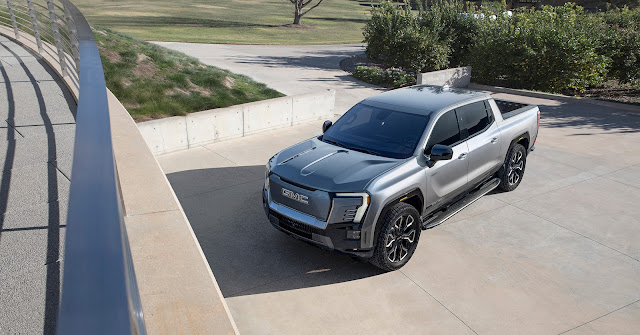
446,130
474,117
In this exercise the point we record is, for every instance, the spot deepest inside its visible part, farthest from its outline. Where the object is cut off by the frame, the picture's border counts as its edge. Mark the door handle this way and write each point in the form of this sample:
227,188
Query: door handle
462,155
494,140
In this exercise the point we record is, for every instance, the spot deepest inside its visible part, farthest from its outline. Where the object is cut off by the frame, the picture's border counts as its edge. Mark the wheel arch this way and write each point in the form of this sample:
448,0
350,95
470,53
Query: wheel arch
414,198
524,139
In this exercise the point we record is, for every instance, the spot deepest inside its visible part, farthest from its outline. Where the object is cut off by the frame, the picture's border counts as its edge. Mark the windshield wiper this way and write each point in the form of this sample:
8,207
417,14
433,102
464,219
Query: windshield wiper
335,143
366,151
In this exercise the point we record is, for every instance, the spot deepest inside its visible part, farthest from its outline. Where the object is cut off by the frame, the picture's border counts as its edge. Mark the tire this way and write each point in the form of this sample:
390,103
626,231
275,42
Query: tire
397,241
513,169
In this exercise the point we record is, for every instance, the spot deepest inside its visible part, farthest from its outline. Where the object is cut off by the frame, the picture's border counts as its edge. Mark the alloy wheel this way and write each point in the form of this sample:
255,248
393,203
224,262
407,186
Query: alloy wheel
516,168
400,238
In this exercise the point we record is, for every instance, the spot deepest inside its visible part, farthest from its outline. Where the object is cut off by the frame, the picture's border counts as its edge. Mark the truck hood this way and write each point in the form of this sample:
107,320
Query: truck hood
327,167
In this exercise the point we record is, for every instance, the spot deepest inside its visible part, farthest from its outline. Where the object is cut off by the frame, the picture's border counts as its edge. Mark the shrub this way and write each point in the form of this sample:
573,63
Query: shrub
550,50
391,77
554,49
396,38
456,24
620,41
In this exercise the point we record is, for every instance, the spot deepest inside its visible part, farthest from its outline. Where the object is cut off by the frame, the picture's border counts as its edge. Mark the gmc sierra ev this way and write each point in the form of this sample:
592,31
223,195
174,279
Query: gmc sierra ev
396,164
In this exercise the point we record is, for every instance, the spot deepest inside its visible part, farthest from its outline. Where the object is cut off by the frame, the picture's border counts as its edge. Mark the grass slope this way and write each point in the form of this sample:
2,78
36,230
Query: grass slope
230,21
154,82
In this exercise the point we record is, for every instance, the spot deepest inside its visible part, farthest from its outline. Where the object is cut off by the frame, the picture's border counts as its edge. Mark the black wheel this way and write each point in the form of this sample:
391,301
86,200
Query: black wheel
513,169
397,238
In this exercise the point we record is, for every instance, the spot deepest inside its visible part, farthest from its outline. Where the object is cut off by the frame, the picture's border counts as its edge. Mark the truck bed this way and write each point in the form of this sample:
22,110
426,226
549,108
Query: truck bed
510,108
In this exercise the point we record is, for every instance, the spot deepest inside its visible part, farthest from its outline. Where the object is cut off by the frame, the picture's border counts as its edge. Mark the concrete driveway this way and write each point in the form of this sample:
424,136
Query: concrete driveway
290,69
559,254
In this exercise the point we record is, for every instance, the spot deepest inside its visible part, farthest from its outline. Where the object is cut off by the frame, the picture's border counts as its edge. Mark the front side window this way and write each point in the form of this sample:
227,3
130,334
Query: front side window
474,117
378,131
446,130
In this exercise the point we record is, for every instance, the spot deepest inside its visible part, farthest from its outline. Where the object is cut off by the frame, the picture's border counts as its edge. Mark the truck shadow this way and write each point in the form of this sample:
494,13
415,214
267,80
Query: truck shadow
246,254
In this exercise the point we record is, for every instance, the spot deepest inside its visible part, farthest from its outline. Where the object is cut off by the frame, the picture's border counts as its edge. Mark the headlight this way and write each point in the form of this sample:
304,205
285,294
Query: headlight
366,200
267,172
266,175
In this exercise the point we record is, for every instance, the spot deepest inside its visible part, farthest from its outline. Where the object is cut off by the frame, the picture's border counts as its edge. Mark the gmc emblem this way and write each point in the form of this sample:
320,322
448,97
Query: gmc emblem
295,196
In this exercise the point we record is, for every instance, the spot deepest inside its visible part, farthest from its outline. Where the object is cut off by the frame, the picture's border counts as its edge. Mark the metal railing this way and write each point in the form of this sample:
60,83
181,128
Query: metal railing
99,291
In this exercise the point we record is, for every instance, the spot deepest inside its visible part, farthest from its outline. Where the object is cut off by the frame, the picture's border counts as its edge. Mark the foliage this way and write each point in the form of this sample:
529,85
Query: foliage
549,50
397,39
620,41
456,24
390,77
552,49
153,82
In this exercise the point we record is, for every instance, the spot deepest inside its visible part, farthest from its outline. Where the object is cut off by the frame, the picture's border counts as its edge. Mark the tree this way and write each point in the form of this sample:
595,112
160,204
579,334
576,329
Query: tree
300,5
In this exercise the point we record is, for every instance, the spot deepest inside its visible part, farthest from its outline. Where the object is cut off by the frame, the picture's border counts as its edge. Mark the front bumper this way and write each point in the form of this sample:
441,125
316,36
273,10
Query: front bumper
338,237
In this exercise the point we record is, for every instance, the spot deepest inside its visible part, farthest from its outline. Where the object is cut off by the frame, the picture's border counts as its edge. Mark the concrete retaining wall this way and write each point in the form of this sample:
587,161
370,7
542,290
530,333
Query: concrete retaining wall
198,129
456,77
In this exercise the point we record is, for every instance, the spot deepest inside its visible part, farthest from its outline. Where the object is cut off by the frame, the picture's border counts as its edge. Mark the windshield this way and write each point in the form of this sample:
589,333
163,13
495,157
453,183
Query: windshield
378,131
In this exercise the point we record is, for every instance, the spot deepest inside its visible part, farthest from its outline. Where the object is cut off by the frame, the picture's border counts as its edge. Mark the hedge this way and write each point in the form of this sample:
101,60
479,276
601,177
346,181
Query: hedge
554,49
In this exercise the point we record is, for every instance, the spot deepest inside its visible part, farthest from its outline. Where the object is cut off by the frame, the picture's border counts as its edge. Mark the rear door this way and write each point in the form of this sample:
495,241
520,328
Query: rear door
483,139
447,178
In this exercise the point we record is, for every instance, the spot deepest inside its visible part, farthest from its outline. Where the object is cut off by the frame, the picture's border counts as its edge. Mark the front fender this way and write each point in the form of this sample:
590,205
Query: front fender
405,180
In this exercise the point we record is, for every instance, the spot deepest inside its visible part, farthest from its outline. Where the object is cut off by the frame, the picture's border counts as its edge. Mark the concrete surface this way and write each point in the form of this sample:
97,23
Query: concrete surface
38,129
554,96
49,55
456,77
201,128
290,69
178,291
559,254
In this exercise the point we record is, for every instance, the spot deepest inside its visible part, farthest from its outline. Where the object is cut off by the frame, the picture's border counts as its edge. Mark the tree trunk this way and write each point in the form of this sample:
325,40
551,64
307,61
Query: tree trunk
296,19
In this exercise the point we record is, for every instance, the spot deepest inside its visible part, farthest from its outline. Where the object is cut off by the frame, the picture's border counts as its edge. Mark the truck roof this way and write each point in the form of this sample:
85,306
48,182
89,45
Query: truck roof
423,99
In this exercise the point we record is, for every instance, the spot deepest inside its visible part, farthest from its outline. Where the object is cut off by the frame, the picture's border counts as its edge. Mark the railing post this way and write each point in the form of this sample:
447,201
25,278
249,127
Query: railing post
73,39
56,35
13,20
34,23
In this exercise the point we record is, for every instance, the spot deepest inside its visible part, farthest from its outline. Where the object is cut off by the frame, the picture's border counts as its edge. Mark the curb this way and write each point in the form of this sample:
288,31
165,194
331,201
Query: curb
543,95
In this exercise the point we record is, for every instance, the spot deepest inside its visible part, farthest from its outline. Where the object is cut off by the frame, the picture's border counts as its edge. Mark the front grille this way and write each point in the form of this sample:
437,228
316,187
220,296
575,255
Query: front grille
295,226
312,203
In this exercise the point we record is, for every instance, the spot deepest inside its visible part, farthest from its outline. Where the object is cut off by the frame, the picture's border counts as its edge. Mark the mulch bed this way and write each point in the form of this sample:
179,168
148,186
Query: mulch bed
613,91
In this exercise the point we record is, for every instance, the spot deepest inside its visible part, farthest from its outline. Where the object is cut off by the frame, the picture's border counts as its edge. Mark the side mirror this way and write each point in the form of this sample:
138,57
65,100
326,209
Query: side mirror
326,125
440,152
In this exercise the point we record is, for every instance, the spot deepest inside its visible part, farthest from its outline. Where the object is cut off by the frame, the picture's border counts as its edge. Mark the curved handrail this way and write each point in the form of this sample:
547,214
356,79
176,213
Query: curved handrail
99,291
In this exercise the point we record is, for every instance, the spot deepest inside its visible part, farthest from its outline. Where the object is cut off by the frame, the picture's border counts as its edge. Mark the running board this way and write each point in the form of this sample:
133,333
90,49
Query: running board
437,219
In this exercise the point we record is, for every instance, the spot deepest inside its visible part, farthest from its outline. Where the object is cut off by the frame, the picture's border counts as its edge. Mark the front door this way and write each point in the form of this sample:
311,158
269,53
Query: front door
448,178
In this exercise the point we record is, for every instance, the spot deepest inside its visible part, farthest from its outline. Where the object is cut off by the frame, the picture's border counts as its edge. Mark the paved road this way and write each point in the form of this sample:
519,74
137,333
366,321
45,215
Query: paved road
38,127
559,254
288,69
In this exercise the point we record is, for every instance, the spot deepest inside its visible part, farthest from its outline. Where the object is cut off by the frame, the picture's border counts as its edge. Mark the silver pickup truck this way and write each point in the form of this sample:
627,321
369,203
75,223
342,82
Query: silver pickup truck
396,164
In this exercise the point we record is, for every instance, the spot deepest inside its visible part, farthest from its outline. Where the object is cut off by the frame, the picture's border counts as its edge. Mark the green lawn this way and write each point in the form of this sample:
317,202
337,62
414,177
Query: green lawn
155,82
230,21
